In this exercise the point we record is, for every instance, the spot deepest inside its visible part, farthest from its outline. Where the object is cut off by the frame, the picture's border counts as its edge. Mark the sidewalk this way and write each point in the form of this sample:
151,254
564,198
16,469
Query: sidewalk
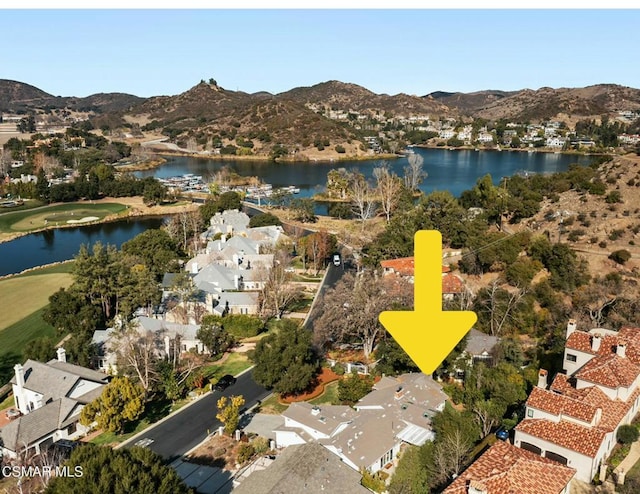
630,460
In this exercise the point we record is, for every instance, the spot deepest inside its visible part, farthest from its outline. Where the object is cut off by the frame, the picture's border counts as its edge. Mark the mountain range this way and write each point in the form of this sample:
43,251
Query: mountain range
299,118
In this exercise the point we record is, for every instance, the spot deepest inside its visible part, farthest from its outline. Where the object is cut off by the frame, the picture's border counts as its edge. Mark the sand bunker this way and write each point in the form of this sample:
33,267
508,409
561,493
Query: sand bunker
84,220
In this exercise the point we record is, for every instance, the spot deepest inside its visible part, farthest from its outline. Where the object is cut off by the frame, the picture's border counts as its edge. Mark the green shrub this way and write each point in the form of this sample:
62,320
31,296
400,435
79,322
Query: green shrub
627,434
340,149
242,325
620,256
245,452
613,197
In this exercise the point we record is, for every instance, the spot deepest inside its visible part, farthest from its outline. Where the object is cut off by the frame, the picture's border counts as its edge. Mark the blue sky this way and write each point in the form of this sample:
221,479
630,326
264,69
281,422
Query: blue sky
154,52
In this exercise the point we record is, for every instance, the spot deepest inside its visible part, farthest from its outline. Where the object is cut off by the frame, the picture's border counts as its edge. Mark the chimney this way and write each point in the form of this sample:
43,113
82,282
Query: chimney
194,268
62,354
315,411
571,327
21,403
621,349
596,339
542,379
19,376
399,393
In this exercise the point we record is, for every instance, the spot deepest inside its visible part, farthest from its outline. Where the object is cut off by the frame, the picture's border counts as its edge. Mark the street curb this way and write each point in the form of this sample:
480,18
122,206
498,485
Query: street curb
214,432
192,402
315,299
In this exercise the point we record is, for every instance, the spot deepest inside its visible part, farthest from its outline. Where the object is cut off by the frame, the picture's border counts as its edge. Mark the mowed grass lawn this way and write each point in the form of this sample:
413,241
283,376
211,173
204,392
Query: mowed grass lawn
24,295
62,214
24,299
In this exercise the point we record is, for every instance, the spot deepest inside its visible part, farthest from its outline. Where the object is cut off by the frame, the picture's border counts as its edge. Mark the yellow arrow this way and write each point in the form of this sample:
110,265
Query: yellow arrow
428,334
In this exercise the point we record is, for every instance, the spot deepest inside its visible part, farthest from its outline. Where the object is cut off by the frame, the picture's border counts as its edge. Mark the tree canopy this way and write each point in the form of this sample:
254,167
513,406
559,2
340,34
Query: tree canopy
121,401
285,360
118,471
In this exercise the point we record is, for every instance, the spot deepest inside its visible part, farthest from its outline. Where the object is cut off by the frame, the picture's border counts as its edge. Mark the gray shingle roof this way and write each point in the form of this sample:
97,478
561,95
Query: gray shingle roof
171,329
479,342
38,424
304,468
56,379
324,419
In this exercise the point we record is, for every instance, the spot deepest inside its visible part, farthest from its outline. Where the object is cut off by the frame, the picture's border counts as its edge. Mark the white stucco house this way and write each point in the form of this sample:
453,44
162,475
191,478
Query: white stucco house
574,420
49,397
398,410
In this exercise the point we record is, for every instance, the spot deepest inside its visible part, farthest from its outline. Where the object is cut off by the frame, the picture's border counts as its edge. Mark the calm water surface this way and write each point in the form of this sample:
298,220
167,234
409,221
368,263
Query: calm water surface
455,171
50,246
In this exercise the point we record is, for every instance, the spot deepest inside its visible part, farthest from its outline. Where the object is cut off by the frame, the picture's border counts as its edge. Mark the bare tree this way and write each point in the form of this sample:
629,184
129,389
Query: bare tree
488,414
499,305
451,453
351,308
388,187
278,293
597,299
138,355
184,227
413,173
362,197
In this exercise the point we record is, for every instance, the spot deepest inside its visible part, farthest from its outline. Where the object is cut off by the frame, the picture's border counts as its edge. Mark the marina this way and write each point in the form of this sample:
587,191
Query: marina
190,182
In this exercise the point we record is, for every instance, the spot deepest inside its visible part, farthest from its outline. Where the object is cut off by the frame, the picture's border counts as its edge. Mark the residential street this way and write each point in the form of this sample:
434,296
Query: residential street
187,428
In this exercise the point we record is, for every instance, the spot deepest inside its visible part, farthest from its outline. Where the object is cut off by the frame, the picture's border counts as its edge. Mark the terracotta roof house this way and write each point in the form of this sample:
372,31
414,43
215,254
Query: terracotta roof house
452,284
397,411
304,468
505,469
575,420
49,397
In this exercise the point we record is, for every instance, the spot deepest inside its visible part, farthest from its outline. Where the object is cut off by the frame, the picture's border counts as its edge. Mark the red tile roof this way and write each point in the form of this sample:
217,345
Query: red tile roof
558,405
584,440
405,266
451,284
609,370
505,469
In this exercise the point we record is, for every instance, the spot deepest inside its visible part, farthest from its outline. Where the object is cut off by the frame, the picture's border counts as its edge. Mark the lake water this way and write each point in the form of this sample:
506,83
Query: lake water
455,171
51,246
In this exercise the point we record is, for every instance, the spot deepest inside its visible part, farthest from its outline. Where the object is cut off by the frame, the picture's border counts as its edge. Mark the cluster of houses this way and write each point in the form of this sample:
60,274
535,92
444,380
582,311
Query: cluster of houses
568,431
227,274
224,278
550,134
567,434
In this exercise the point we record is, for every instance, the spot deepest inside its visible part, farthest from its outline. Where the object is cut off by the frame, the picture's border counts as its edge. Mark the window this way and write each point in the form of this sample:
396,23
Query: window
529,412
571,357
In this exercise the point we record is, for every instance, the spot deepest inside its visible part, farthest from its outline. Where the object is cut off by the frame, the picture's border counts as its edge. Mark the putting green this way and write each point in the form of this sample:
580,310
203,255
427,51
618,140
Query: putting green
57,216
